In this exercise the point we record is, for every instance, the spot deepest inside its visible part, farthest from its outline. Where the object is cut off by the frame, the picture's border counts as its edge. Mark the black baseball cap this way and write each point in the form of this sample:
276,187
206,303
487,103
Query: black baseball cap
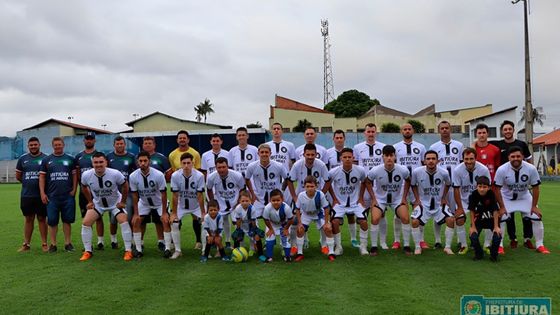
89,135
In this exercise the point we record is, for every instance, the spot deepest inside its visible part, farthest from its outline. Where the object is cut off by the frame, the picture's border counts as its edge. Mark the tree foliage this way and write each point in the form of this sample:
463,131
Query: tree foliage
351,103
254,125
417,126
390,128
203,109
538,116
301,125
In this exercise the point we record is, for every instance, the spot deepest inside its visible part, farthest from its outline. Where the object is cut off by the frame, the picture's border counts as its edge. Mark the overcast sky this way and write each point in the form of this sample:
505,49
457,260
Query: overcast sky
103,61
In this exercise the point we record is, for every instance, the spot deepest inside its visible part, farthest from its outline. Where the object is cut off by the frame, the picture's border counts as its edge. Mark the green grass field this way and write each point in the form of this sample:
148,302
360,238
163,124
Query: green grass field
35,282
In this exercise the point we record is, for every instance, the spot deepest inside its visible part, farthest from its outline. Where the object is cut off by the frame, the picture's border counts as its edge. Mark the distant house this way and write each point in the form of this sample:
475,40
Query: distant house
50,128
546,148
158,121
493,121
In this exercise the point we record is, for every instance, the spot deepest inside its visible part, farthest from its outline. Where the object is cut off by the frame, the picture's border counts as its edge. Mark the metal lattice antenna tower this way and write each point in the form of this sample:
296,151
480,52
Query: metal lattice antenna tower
328,86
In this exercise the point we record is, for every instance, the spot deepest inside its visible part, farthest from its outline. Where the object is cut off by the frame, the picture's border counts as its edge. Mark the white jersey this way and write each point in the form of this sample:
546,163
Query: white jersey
388,188
368,155
300,171
346,185
465,180
215,225
449,154
149,187
208,160
239,158
515,183
188,188
279,216
245,215
312,206
266,179
333,157
105,188
321,153
282,152
226,189
410,155
430,186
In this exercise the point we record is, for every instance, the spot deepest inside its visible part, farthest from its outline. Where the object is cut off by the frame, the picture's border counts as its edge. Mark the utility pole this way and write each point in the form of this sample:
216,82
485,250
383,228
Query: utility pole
328,87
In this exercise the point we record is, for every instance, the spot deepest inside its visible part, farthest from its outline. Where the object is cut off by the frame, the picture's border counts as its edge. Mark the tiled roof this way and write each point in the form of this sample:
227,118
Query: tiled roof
69,124
549,138
286,103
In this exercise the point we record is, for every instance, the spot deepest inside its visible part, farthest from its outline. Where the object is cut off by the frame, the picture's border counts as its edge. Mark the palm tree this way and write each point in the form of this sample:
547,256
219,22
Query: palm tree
203,109
199,112
538,116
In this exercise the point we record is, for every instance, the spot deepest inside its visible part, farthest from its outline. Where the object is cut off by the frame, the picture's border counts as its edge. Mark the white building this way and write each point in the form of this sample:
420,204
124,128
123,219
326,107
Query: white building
494,121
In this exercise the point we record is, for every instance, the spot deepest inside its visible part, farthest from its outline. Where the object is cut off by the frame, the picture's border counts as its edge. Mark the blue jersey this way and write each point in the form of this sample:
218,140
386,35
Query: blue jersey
83,161
58,172
159,162
125,163
29,166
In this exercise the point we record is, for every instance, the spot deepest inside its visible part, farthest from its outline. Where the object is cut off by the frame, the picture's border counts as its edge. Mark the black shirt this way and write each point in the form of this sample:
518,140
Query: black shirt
504,147
483,208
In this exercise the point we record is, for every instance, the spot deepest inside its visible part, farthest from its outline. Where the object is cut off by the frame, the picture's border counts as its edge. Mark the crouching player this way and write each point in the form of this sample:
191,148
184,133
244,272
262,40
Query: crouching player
101,189
278,218
483,208
245,222
187,185
430,185
213,225
312,206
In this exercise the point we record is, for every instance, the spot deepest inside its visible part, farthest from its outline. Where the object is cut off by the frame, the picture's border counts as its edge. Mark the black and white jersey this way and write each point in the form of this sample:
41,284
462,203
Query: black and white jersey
410,155
239,158
188,188
213,226
283,152
300,171
266,178
388,184
226,189
321,153
449,154
278,216
245,215
333,158
465,180
346,184
368,155
516,183
430,185
208,160
149,188
105,188
308,205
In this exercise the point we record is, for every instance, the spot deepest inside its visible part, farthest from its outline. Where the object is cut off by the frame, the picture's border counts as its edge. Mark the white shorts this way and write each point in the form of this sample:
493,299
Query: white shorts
357,210
439,215
258,208
182,212
112,211
307,219
148,210
451,204
278,232
520,205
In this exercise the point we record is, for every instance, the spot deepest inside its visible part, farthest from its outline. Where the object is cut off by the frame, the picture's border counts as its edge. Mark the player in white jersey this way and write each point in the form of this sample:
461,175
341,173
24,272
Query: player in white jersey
224,185
347,186
410,154
265,175
369,154
283,152
213,225
464,183
278,217
187,185
149,200
391,186
208,159
243,154
245,223
450,155
101,188
430,185
310,136
513,181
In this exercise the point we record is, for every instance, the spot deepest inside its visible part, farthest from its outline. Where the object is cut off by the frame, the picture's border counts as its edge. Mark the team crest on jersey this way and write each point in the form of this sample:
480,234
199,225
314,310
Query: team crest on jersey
230,185
455,150
152,184
318,155
192,185
524,178
108,183
249,156
438,181
271,175
416,151
397,178
354,180
126,162
284,149
378,151
316,174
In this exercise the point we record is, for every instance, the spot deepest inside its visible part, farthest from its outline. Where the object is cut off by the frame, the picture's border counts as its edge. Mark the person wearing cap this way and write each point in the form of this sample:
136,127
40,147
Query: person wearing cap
83,163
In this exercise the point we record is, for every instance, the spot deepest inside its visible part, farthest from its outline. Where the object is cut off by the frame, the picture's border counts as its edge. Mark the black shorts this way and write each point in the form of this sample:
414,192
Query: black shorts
82,201
33,205
153,217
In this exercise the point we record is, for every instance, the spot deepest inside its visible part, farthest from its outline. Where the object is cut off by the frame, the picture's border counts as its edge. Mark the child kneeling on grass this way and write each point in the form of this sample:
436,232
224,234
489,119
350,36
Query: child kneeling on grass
484,211
278,218
213,226
245,222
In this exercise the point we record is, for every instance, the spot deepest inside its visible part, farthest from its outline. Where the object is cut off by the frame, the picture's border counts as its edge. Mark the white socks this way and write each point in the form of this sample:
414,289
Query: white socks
406,230
538,232
448,236
100,240
293,236
417,236
488,238
167,240
337,240
227,228
397,227
437,232
374,231
176,236
363,238
330,245
299,243
352,230
383,230
462,235
138,240
113,238
126,233
86,238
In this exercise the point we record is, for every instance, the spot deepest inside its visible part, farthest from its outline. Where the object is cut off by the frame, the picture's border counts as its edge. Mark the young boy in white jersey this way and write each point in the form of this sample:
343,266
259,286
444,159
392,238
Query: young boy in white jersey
278,218
245,221
312,206
213,225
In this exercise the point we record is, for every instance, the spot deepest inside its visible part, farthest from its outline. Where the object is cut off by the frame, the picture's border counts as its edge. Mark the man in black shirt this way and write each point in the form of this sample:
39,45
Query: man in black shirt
508,129
484,213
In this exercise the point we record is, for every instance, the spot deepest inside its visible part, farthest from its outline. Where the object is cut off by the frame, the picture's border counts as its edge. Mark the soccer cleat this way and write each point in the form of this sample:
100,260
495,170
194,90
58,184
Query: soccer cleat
52,248
128,255
437,245
332,257
363,250
69,247
355,244
463,250
384,246
45,247
198,245
288,259
543,250
161,246
396,245
299,257
373,251
203,259
262,258
293,251
226,258
100,246
167,253
86,256
114,245
338,250
325,250
24,248
418,251
501,250
448,251
424,245
513,244
176,255
528,244
138,254
407,250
